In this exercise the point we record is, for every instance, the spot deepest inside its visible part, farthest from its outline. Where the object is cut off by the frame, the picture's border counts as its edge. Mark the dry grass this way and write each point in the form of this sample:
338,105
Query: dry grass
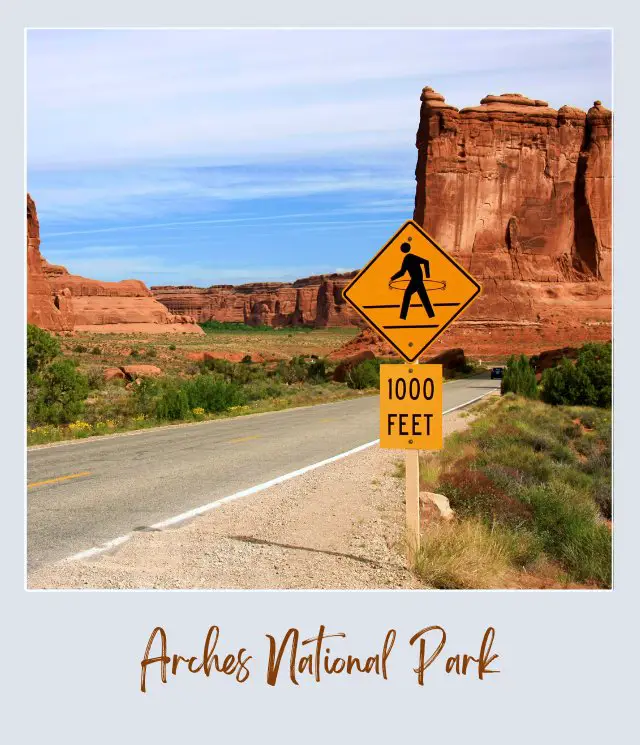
462,555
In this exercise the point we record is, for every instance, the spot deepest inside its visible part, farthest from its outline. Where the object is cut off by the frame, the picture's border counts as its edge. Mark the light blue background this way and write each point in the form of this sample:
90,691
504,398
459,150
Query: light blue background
70,668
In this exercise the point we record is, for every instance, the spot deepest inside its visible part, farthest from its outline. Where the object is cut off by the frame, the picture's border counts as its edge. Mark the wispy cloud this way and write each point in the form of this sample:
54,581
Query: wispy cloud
210,156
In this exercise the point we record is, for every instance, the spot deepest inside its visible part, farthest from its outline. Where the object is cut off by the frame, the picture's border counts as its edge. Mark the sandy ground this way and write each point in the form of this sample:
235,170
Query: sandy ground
338,527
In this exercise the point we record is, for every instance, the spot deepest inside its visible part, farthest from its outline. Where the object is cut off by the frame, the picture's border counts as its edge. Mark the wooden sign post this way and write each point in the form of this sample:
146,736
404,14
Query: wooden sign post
410,292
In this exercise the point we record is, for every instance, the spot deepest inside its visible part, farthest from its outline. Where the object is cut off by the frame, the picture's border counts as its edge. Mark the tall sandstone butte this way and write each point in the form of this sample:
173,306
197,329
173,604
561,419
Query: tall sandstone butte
59,301
520,194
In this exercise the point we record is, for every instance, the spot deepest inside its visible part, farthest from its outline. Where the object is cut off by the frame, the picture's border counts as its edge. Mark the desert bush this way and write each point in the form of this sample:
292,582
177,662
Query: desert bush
587,383
213,394
145,396
317,371
80,348
519,378
60,391
223,367
568,526
364,375
172,403
247,359
95,378
151,352
262,388
567,384
42,348
172,347
96,350
134,353
294,371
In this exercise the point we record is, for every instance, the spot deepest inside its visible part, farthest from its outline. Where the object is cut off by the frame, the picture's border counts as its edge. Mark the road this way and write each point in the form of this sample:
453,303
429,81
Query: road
87,492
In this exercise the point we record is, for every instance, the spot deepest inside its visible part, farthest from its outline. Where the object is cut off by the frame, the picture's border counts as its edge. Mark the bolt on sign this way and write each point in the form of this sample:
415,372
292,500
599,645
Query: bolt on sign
411,407
411,291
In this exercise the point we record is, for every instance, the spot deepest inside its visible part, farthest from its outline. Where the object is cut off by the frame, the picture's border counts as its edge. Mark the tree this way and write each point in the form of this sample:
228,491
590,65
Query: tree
519,378
60,391
42,348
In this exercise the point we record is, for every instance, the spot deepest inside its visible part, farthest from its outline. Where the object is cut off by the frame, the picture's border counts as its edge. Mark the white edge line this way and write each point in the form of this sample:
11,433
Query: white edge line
238,495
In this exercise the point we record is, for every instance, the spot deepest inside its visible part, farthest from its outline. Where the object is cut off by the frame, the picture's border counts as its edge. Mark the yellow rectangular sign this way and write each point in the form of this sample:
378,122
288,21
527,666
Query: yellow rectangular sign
411,407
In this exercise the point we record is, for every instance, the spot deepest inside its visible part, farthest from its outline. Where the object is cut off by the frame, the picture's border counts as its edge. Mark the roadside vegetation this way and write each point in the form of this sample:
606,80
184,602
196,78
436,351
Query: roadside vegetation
68,397
232,327
585,381
529,482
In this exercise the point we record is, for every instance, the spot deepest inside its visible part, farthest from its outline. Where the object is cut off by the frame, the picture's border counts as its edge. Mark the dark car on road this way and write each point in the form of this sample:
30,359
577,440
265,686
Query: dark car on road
496,373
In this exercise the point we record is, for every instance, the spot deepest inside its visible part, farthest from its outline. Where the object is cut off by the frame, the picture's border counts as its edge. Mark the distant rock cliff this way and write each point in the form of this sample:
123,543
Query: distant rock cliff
313,301
59,301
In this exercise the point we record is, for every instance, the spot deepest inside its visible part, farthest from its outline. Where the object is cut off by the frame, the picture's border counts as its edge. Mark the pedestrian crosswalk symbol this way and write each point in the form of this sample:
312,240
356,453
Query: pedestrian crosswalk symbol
411,291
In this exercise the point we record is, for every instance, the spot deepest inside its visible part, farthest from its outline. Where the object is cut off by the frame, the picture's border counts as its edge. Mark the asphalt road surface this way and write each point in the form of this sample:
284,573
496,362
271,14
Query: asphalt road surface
87,492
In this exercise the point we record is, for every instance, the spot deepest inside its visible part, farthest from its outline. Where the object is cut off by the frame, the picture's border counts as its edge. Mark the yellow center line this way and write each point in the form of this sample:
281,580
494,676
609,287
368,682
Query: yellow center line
244,439
327,419
59,478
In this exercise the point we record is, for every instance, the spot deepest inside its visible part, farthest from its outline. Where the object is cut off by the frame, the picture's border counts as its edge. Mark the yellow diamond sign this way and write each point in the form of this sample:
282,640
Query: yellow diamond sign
411,291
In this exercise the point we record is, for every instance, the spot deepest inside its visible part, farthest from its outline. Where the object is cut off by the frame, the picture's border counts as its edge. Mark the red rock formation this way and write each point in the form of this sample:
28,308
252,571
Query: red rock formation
59,301
44,309
141,371
367,340
368,344
314,301
520,194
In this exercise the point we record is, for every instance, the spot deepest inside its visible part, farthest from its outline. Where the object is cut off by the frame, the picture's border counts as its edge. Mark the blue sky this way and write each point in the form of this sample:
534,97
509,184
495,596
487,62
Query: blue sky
210,157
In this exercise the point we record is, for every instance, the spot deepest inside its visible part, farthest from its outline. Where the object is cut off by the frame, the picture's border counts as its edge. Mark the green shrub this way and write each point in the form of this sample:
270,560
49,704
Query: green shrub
42,348
60,391
567,384
80,348
294,371
519,378
151,352
366,374
145,395
172,347
95,378
172,404
234,328
213,394
247,359
317,371
223,367
570,531
587,383
96,350
263,388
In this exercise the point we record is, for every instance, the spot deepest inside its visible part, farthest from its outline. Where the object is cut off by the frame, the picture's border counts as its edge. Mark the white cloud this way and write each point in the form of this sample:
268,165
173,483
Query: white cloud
111,96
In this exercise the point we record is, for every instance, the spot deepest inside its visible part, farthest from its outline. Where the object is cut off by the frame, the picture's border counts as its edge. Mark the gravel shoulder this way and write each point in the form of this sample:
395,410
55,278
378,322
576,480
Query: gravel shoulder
337,527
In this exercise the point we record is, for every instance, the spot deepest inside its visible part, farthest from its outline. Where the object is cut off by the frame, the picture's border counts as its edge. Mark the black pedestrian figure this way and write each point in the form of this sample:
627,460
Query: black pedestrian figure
413,264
